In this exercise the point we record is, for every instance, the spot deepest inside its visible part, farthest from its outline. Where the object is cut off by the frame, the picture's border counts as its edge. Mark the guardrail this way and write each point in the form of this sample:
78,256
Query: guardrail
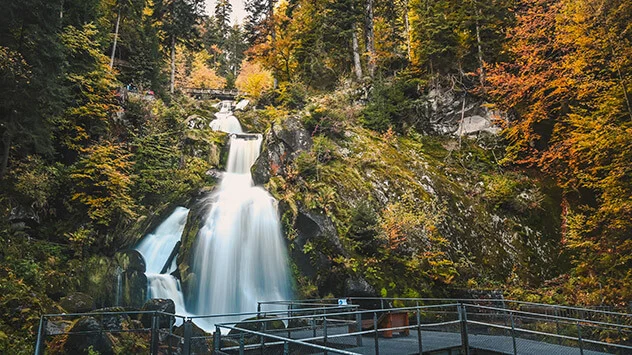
308,326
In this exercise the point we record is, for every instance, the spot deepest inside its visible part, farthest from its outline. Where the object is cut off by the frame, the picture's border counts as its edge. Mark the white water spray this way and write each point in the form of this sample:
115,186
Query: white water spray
156,248
239,257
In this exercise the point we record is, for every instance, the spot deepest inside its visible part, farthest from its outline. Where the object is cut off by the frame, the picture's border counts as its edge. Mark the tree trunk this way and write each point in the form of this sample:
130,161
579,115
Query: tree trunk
370,38
356,56
6,150
273,36
116,31
172,84
407,27
477,12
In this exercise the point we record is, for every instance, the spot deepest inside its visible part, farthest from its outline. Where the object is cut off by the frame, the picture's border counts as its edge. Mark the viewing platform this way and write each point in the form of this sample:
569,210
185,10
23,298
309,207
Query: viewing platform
354,326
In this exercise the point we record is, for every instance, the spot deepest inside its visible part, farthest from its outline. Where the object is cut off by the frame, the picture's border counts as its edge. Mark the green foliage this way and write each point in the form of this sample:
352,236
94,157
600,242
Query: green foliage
364,228
323,121
102,184
89,84
394,105
35,182
291,95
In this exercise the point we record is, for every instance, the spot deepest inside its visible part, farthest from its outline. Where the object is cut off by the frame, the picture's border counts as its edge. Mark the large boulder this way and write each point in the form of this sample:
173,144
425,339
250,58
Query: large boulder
77,302
161,305
88,336
131,282
282,144
199,345
113,318
451,112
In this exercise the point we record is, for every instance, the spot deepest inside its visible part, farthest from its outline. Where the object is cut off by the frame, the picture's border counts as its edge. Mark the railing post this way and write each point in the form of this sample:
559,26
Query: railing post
154,334
513,333
188,329
358,329
325,332
465,345
41,336
286,348
217,341
264,328
377,335
241,343
421,350
258,310
289,314
557,324
579,337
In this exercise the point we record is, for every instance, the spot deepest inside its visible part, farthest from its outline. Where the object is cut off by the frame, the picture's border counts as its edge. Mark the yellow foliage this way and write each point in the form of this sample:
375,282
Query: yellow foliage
202,76
253,79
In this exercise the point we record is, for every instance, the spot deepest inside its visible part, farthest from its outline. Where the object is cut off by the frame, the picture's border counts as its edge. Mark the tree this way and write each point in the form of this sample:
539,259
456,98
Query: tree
89,87
566,85
202,76
223,11
253,80
179,20
124,8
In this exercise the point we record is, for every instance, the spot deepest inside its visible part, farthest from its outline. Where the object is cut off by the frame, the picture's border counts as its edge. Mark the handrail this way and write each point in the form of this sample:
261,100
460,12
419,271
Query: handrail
462,300
291,340
323,311
548,316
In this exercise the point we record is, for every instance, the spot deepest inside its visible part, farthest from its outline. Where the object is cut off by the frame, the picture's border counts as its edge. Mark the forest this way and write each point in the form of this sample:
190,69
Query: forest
99,139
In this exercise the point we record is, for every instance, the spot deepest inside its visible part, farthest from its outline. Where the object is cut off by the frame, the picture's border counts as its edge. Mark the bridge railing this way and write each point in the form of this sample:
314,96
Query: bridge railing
325,326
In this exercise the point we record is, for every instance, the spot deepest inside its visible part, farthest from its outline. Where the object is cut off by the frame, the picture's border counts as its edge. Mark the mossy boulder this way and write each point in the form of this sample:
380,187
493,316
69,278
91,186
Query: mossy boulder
89,336
161,305
282,144
77,302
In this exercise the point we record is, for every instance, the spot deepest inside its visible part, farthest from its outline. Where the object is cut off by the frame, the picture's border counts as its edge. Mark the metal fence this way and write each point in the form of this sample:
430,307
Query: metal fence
372,326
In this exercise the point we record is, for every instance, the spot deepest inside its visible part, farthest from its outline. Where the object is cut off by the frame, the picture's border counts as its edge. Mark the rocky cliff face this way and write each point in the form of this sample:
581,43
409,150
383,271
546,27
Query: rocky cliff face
446,216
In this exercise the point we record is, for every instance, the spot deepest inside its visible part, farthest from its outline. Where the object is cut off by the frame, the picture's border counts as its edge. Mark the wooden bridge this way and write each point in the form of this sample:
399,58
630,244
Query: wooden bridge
205,94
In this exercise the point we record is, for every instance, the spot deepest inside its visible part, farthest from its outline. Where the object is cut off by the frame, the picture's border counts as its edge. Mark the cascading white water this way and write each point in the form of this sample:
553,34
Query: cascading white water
156,249
240,257
225,121
157,246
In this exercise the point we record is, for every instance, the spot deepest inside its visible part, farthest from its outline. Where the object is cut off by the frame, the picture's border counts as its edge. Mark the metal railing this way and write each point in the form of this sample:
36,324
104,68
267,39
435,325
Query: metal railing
322,326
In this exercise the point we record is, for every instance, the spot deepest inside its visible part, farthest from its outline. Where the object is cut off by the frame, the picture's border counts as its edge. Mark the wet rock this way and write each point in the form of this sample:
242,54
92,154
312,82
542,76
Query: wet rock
281,146
111,321
89,335
160,305
77,302
199,345
130,260
131,282
356,286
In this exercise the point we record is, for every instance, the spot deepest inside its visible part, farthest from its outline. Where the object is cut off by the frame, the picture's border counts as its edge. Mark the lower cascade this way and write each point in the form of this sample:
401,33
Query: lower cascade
239,255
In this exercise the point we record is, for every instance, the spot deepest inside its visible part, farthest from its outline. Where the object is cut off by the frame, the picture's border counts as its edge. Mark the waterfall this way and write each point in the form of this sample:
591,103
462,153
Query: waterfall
239,256
226,123
156,248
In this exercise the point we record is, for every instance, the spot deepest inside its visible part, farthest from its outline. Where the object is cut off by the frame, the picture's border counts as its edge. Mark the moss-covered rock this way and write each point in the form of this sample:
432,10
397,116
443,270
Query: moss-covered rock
446,214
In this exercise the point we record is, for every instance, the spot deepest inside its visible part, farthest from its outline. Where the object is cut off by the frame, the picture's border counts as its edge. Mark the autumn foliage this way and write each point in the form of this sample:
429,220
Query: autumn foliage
567,90
253,79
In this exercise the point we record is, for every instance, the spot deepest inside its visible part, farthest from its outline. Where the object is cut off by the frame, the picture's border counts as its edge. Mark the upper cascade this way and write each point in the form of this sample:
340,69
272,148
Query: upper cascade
243,153
225,121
